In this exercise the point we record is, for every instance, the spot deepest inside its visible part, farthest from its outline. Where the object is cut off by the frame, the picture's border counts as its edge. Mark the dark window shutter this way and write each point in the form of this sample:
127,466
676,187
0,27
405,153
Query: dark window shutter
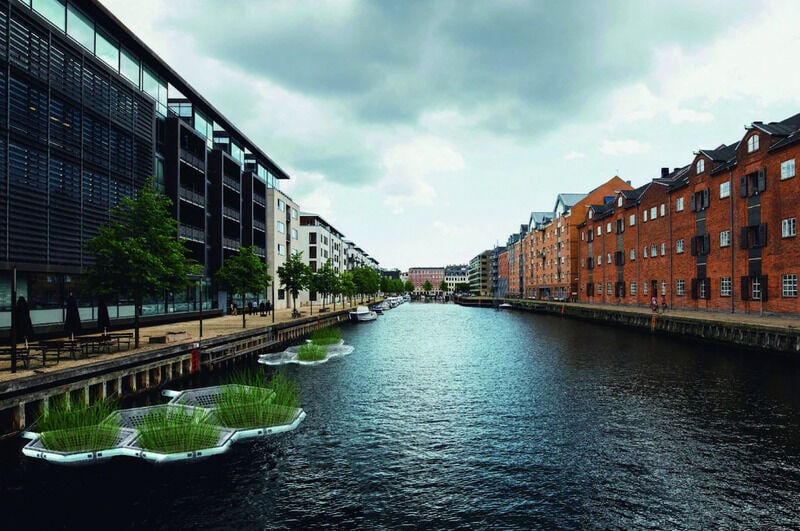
707,282
693,200
762,179
743,240
762,235
743,186
694,246
694,288
706,244
764,288
706,198
745,288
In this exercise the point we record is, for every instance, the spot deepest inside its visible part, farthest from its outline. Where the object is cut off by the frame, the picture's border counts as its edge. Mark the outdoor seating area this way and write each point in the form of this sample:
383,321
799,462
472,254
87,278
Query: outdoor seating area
44,353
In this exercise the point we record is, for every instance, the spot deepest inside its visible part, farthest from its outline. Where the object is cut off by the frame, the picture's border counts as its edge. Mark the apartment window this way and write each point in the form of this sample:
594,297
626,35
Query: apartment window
599,259
129,66
645,287
80,28
680,288
294,234
653,251
679,246
663,249
644,216
663,287
281,205
725,238
724,189
725,286
633,254
52,10
789,285
752,144
609,289
755,286
753,183
700,166
281,249
312,238
608,227
599,288
281,227
787,169
599,231
619,201
608,258
632,220
653,212
679,204
633,288
700,200
663,210
294,213
789,227
702,289
644,252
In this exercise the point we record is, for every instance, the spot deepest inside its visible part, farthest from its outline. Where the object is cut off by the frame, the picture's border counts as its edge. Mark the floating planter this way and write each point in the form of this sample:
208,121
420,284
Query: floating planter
195,424
293,354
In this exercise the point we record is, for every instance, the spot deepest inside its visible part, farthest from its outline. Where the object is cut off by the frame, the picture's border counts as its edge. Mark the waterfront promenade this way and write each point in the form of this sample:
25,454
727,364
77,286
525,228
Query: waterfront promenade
212,327
231,324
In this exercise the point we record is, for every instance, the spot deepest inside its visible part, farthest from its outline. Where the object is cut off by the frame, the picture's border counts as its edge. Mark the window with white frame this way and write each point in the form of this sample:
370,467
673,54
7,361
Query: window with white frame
680,288
644,252
679,204
633,254
789,285
752,144
787,169
788,227
645,288
679,246
725,286
663,210
701,166
644,216
599,288
599,231
608,258
619,201
663,248
599,259
653,251
281,249
294,234
281,227
755,288
609,289
608,227
633,288
724,189
725,238
281,205
702,289
632,220
663,287
653,212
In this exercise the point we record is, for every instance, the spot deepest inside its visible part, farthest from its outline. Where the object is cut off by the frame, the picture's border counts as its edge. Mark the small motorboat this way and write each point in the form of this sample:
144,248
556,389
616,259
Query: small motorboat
363,313
505,306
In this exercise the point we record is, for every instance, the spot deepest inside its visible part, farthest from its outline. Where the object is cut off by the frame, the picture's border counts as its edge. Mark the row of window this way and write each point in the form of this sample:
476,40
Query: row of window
702,287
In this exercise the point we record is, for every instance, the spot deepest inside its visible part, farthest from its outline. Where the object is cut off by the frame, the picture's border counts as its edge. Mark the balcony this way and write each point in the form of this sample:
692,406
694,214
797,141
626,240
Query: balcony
191,196
260,225
231,243
259,199
231,213
231,183
193,160
194,234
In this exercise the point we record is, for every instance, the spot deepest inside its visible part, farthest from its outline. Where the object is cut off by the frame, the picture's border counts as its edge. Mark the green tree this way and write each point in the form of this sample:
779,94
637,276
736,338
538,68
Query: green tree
347,286
324,281
243,273
295,276
427,286
462,287
138,252
443,287
409,286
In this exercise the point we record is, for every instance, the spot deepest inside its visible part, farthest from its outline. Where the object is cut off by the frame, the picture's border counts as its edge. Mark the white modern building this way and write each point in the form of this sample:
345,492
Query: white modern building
283,231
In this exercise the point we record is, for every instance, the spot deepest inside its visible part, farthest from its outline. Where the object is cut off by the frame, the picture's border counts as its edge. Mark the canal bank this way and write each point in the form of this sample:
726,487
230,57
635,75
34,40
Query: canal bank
167,353
751,331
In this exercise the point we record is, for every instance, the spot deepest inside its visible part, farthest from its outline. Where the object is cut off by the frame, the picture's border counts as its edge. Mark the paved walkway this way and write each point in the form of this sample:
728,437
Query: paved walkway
212,327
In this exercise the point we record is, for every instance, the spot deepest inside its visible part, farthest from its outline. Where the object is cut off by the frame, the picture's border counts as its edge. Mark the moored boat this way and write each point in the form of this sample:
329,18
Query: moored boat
363,313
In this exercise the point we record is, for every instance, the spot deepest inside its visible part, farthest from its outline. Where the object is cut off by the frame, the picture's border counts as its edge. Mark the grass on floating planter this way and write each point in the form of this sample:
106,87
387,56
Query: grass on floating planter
311,352
241,405
174,430
78,427
326,336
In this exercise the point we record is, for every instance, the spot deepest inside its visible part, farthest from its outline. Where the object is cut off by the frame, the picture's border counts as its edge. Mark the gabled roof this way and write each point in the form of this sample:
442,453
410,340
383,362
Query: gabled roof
569,199
721,154
635,194
782,128
538,219
602,211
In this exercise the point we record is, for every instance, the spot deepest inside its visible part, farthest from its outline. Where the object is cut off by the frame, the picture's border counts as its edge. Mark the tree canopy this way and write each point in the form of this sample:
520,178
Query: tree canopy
409,286
443,287
427,286
242,274
295,276
137,253
325,280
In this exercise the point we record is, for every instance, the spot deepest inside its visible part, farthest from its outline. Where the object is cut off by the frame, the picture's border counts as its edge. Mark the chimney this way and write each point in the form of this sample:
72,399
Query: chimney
664,172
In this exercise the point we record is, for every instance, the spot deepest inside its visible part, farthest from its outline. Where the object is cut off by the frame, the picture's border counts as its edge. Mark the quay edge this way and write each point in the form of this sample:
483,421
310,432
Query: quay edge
776,334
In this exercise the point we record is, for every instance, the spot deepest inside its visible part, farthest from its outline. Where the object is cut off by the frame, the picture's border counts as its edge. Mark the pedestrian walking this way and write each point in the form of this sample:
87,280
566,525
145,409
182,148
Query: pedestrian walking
654,304
262,309
269,307
663,304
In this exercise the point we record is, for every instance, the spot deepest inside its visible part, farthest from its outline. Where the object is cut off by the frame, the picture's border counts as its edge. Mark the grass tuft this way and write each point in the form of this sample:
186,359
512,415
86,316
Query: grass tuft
173,430
311,352
326,336
78,427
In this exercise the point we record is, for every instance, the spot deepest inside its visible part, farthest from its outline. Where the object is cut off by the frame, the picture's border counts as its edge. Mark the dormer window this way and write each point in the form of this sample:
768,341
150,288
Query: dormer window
752,144
701,166
590,214
619,201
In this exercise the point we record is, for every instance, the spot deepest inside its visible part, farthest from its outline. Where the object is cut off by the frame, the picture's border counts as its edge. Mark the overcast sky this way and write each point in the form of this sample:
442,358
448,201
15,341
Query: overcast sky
427,131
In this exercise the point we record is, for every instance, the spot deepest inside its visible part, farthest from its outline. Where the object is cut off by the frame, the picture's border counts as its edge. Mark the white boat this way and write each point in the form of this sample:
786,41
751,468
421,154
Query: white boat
362,313
505,306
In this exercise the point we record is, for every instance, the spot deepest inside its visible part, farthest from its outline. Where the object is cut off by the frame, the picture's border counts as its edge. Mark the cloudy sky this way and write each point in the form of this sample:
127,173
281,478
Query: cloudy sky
427,131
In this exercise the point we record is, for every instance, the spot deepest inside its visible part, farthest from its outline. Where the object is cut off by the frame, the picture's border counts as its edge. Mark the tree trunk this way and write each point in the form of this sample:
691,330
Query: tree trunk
244,310
137,306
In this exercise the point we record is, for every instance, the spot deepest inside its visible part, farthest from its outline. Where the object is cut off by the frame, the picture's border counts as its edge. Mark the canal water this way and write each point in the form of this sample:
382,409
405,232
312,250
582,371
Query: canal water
447,417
